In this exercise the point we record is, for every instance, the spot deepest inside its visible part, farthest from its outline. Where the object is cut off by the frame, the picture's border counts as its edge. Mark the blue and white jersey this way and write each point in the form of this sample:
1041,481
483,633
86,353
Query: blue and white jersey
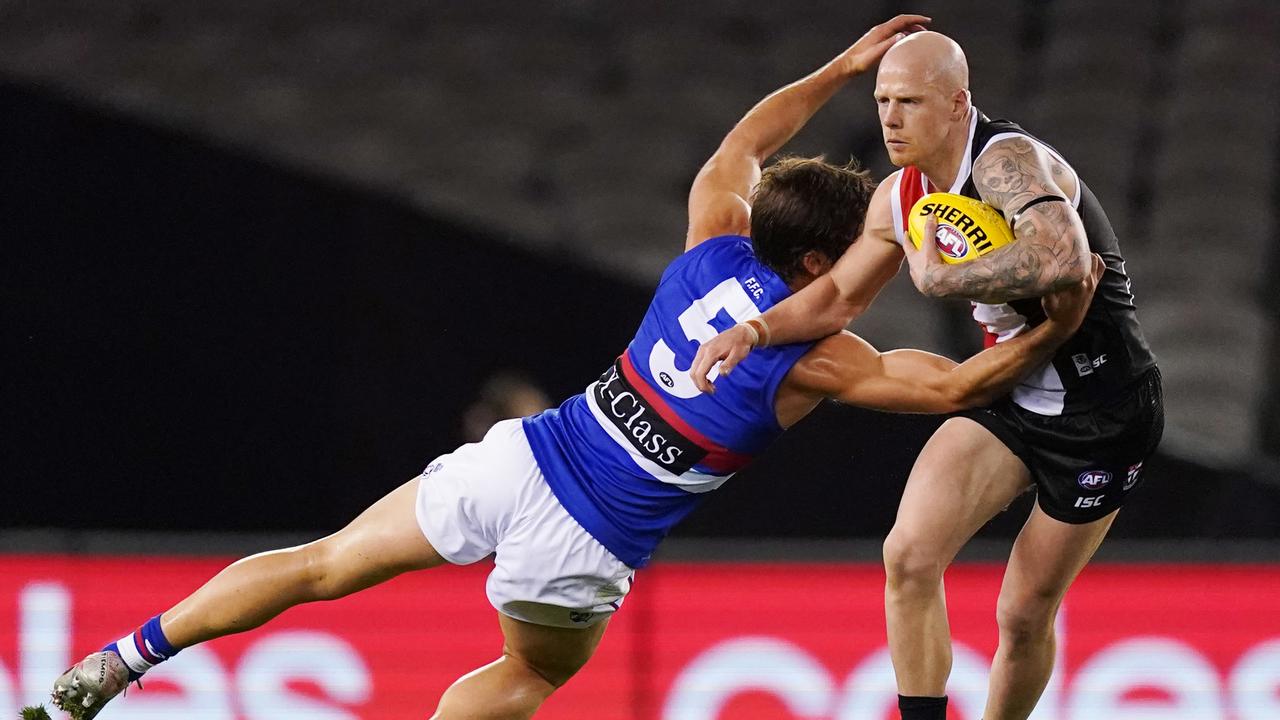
634,454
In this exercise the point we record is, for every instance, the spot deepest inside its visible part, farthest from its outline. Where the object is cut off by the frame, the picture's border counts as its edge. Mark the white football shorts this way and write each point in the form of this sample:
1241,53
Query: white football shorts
490,496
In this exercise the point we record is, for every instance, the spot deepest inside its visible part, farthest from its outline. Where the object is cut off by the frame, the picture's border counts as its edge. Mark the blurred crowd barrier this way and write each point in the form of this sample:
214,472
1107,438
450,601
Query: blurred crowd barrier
694,641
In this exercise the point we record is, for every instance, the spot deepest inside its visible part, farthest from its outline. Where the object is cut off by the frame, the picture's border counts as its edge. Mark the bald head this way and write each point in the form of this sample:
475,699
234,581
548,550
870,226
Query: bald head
928,57
922,96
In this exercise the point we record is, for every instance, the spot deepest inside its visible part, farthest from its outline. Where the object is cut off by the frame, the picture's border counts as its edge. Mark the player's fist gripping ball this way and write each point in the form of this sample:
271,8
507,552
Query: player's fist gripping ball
967,228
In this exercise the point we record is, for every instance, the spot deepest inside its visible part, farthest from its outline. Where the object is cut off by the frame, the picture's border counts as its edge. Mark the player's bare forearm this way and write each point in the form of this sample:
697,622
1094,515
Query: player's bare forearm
814,312
719,196
832,301
996,371
1051,252
821,309
779,116
774,120
848,369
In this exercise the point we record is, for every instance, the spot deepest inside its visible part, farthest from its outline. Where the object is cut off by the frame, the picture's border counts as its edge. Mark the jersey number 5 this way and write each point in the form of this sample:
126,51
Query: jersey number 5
728,296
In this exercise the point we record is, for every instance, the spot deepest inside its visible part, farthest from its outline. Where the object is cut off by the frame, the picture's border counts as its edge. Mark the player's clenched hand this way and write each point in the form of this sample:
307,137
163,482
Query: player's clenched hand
726,349
926,260
865,53
1067,307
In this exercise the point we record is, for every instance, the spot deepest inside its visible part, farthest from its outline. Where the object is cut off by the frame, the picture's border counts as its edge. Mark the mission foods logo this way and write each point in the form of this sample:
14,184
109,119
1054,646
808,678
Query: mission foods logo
1094,479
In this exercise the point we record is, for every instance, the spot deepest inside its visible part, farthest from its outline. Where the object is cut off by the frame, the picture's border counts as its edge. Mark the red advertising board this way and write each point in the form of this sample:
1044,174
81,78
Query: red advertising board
715,641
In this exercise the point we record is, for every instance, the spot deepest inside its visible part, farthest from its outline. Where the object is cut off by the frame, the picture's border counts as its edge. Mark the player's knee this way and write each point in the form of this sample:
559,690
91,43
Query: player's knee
508,688
320,564
1026,618
909,563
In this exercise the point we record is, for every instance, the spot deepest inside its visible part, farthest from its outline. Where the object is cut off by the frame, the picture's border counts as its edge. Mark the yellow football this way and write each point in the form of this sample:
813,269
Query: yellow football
967,228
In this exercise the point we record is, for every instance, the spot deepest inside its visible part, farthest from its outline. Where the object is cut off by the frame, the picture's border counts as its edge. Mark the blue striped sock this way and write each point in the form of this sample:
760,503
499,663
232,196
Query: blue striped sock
114,647
143,649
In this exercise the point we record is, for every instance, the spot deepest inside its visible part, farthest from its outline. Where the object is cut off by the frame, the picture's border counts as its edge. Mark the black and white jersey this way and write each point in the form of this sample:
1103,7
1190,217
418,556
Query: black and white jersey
1108,352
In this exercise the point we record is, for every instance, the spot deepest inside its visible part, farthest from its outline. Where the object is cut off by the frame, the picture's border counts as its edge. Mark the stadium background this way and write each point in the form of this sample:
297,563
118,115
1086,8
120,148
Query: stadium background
261,258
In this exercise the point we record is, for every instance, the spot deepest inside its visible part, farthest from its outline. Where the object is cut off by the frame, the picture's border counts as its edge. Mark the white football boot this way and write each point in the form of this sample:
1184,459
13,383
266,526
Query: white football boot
87,686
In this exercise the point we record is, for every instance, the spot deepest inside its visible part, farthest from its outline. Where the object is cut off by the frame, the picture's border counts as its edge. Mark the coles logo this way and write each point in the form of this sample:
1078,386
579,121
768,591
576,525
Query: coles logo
1094,479
951,242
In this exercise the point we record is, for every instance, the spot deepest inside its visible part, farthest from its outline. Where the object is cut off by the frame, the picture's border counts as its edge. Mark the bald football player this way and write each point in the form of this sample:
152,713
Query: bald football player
1077,430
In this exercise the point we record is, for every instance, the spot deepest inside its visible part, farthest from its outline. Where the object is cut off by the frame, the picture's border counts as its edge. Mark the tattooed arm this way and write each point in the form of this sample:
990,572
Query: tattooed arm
1051,251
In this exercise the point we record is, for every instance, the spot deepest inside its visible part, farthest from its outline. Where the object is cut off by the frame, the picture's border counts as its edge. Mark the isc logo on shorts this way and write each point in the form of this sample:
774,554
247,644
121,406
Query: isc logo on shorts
1094,479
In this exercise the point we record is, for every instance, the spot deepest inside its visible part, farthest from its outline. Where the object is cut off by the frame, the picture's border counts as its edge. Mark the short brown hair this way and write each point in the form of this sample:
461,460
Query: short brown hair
803,204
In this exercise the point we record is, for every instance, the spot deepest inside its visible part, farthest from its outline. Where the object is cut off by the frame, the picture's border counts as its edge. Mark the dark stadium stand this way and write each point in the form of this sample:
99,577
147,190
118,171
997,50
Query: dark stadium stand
573,129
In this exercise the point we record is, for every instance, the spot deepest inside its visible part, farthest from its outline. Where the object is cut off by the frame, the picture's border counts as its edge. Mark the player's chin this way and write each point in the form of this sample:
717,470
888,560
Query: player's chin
899,154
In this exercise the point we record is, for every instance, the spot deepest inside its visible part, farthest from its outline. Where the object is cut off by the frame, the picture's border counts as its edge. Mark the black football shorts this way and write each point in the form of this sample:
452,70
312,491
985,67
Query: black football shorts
1084,464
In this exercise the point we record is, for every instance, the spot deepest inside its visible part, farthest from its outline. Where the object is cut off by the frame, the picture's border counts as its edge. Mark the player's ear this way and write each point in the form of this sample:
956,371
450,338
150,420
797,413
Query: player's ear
960,103
816,263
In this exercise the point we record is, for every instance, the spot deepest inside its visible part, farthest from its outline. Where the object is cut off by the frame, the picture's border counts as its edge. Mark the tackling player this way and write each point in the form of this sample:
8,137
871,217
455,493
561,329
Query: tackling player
1079,428
575,499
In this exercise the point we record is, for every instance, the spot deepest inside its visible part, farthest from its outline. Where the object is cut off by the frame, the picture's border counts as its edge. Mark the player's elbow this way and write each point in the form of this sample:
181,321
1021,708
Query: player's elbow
955,401
741,142
945,395
1068,278
1074,273
962,396
1077,266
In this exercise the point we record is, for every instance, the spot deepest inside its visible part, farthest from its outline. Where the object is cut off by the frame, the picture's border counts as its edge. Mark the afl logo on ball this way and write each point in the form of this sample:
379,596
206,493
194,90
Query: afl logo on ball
1094,479
951,242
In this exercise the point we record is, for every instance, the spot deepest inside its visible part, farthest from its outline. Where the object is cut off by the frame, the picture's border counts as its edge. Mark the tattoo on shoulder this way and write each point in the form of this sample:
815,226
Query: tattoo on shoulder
1010,174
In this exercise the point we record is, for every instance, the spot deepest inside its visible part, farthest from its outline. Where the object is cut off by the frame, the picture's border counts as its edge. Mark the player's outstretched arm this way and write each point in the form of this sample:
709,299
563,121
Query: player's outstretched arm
849,369
825,306
1020,179
719,198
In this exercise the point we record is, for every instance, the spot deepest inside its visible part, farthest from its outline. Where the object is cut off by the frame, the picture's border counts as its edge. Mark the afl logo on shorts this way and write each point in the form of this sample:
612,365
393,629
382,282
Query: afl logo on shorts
951,242
1094,479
